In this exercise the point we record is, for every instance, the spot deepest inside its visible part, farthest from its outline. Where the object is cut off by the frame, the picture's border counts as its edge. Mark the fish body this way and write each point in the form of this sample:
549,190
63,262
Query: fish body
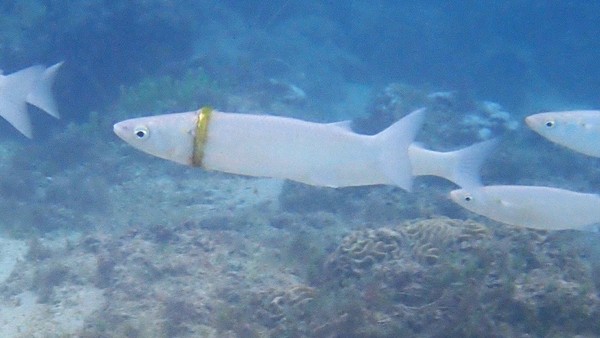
577,130
535,207
30,85
320,154
279,147
312,153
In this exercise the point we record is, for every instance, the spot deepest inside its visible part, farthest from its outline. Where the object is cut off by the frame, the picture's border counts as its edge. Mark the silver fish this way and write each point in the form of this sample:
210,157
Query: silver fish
578,130
532,206
312,153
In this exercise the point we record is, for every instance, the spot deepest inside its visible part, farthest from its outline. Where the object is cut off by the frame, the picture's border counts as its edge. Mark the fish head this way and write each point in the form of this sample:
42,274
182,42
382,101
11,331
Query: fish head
169,136
544,123
461,197
475,199
576,130
558,125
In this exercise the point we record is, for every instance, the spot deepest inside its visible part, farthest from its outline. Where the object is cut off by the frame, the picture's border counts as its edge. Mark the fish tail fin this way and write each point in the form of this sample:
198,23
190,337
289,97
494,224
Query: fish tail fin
459,166
41,95
395,140
15,112
12,98
467,162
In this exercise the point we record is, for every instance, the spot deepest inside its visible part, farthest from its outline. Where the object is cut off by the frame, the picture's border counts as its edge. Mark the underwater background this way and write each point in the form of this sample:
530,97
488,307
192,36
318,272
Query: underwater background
100,240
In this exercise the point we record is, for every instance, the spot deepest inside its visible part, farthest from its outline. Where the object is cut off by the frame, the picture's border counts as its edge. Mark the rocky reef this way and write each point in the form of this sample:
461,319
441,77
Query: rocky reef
425,277
444,277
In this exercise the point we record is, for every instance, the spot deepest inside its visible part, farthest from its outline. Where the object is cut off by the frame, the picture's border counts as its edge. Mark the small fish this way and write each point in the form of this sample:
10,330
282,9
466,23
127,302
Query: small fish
535,207
577,130
30,85
318,154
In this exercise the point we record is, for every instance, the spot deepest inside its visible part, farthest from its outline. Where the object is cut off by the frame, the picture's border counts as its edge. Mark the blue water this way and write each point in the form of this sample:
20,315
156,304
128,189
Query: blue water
368,61
503,51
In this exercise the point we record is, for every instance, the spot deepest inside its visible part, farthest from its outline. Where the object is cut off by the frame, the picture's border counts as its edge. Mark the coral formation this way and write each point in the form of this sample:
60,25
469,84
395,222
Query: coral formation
428,277
451,270
279,307
424,240
360,250
492,120
429,237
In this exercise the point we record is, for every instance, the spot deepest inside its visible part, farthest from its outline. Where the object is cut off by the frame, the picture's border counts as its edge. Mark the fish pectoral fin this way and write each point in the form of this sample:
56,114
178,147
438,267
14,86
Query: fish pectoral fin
508,205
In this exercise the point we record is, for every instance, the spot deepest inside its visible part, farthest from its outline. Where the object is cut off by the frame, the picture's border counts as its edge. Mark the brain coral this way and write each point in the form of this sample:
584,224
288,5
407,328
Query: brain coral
361,249
429,236
275,306
421,240
442,277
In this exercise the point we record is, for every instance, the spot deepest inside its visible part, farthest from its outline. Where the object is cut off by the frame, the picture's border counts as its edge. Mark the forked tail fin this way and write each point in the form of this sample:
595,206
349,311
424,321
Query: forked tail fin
13,94
395,140
460,166
41,94
469,161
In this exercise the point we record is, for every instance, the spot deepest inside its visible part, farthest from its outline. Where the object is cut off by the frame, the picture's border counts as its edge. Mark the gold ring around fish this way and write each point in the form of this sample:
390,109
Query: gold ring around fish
204,115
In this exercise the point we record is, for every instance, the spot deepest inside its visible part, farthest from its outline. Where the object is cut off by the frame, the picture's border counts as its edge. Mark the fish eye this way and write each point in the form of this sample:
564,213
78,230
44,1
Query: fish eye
468,198
141,132
549,124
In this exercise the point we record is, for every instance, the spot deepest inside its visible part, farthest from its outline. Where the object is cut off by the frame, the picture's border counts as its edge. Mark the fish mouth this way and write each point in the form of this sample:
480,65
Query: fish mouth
530,121
455,194
120,129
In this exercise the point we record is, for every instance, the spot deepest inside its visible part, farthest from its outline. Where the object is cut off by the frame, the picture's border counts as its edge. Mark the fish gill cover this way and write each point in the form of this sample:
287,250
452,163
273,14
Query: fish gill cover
103,241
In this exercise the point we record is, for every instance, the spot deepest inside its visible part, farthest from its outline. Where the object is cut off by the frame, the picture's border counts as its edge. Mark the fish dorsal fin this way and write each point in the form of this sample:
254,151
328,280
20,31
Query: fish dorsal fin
346,125
394,142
